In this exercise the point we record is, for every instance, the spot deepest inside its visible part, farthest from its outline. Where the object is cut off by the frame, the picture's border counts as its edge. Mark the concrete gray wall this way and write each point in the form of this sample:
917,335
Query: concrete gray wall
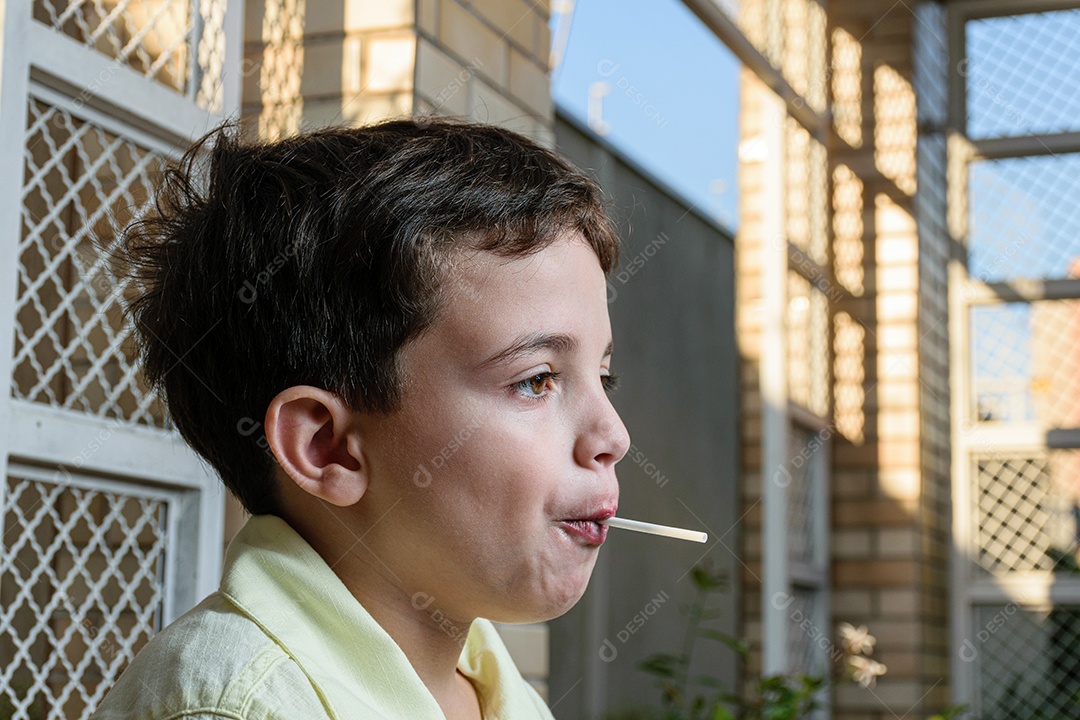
672,304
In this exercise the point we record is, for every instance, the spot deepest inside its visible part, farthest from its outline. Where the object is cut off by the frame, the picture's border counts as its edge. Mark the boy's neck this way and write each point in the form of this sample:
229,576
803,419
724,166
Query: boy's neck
431,641
432,646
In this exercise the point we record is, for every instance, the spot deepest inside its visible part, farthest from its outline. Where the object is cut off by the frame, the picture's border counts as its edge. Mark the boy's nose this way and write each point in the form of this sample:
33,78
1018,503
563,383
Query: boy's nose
605,440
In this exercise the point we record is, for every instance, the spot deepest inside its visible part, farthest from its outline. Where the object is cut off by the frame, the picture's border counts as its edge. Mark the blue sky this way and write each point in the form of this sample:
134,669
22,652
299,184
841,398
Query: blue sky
1020,75
673,99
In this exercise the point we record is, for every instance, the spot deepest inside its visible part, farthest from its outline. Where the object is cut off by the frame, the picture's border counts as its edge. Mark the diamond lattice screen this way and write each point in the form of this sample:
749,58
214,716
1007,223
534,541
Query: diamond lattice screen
1024,218
1028,664
808,639
153,37
73,346
1021,74
81,591
1026,511
1026,362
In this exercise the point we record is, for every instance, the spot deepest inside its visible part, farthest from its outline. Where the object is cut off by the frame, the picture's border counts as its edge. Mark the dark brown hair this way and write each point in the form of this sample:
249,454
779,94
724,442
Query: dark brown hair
314,259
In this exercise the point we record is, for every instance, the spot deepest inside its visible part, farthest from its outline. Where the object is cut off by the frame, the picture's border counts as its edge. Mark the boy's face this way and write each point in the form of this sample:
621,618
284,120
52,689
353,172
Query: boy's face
475,480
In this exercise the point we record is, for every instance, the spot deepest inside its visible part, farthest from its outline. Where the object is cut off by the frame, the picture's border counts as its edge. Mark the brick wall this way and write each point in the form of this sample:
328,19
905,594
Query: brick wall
892,483
339,61
890,406
357,61
487,59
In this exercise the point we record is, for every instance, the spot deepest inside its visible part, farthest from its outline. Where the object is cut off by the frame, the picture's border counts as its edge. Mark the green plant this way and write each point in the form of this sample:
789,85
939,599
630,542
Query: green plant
701,697
771,697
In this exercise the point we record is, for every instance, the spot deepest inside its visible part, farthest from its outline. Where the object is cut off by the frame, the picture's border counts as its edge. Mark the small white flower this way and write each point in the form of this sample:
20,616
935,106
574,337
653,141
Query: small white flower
857,640
866,671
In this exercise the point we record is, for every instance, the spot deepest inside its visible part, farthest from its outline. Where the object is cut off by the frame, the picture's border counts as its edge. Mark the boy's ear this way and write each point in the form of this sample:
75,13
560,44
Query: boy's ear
313,436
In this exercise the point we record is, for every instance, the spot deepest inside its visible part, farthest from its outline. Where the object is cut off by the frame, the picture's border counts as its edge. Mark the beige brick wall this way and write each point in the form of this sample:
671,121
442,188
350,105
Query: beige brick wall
359,61
486,59
890,483
884,587
339,61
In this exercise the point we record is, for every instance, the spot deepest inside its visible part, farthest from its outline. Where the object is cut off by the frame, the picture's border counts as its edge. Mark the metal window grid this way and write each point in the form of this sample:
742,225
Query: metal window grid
1013,307
1024,512
73,345
1030,667
86,579
178,44
110,525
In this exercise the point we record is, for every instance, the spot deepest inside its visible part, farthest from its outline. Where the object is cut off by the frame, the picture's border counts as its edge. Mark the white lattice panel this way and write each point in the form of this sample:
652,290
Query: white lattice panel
1016,607
1025,513
97,94
73,345
82,588
807,634
1024,217
152,37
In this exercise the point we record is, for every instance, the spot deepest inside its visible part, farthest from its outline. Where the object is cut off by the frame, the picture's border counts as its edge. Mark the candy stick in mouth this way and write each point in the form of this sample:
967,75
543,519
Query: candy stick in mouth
664,530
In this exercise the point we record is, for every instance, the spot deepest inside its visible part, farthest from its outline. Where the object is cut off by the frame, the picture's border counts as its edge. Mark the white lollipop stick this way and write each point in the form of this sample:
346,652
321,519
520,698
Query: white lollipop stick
665,530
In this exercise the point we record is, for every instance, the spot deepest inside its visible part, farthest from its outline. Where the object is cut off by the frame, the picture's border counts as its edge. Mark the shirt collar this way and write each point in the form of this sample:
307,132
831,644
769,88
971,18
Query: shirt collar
275,578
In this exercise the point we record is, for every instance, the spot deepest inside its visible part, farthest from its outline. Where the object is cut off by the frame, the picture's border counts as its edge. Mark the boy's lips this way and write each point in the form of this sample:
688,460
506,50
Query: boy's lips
587,527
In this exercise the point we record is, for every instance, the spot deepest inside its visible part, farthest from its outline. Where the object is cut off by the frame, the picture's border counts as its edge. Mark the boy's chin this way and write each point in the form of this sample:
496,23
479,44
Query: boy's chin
539,615
548,607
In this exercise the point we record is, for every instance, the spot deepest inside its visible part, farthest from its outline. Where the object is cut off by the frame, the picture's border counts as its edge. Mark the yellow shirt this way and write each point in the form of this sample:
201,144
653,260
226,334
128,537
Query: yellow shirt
284,639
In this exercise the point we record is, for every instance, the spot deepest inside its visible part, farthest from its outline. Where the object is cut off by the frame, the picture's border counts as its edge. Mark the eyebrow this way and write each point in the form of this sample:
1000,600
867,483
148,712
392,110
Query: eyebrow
535,342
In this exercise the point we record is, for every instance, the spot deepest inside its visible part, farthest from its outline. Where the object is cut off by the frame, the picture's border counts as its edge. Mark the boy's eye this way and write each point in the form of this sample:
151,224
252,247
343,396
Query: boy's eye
533,387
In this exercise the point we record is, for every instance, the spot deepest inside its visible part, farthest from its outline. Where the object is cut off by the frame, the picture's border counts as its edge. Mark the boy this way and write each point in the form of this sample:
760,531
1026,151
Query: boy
393,344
